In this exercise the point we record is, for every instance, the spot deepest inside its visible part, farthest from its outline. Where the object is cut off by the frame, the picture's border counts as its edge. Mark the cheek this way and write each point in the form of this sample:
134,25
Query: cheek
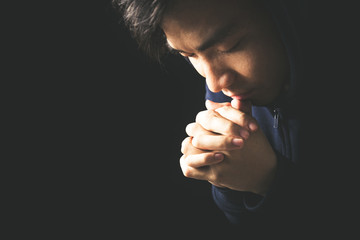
268,61
257,66
244,64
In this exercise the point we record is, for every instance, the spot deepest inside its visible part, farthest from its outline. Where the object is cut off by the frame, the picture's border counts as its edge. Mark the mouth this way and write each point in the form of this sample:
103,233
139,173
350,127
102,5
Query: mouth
241,96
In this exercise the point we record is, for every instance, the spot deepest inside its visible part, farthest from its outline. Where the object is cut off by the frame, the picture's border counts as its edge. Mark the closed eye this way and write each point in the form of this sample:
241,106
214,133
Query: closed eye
233,48
184,54
176,51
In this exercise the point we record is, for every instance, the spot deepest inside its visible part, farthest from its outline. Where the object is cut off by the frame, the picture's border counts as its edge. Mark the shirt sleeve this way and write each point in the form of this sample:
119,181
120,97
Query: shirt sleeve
239,206
218,97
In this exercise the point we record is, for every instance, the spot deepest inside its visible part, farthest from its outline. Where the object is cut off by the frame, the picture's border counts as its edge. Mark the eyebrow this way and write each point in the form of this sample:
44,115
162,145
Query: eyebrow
219,35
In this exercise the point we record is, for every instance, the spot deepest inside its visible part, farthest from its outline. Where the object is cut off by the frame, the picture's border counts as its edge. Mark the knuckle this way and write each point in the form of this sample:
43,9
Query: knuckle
226,143
208,159
231,128
227,108
200,115
186,171
190,129
195,142
182,162
184,145
211,114
184,167
206,115
216,176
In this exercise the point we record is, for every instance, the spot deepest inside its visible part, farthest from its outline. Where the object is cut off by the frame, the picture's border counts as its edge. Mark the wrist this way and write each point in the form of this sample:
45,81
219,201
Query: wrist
267,179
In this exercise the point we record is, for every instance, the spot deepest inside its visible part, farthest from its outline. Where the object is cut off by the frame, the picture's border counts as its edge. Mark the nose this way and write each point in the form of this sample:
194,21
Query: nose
218,76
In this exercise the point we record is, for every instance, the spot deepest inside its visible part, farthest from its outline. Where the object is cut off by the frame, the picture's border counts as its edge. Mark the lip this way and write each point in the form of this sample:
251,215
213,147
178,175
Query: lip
242,96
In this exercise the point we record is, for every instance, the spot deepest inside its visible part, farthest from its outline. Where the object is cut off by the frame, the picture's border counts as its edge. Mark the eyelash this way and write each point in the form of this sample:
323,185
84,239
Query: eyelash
185,54
188,55
173,51
232,48
223,52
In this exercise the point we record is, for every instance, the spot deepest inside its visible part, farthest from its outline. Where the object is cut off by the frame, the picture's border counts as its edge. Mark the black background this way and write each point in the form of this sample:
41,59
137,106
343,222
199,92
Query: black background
95,127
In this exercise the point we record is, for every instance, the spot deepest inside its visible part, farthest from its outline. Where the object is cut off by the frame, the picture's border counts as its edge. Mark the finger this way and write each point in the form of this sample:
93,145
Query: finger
213,121
194,129
238,117
217,142
191,172
190,129
188,149
210,105
203,159
244,106
184,145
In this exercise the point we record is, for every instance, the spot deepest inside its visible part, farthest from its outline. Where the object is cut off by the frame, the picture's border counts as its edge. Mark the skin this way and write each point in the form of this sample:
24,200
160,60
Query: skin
235,46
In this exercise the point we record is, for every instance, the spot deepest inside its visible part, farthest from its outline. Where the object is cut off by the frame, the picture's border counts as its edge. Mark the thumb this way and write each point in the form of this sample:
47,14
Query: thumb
244,106
210,105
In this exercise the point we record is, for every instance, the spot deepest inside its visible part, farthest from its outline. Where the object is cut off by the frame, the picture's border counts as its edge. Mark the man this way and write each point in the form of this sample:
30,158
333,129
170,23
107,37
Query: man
247,143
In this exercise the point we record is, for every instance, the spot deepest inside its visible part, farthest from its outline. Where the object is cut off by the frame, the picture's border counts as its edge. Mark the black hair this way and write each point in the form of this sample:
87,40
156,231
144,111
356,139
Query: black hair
143,19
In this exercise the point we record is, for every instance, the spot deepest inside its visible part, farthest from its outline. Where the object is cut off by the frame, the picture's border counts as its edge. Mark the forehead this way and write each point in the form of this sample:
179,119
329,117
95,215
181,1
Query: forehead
193,20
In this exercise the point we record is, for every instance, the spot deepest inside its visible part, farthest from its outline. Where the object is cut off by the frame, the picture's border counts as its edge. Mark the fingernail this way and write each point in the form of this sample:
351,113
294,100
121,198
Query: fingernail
218,157
244,134
253,126
238,142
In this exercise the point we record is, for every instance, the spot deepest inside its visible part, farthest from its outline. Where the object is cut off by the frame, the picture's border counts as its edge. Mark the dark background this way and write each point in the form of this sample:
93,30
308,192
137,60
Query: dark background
98,128
94,127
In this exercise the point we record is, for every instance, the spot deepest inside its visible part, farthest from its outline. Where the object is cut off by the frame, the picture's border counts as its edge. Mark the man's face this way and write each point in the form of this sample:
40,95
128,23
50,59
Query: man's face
233,44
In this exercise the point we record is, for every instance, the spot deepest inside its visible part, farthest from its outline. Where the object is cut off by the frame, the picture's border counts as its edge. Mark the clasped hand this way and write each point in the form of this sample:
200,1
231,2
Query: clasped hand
227,148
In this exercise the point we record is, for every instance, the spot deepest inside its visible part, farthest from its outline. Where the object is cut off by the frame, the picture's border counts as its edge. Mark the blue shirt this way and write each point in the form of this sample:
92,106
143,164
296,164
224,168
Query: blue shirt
280,123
